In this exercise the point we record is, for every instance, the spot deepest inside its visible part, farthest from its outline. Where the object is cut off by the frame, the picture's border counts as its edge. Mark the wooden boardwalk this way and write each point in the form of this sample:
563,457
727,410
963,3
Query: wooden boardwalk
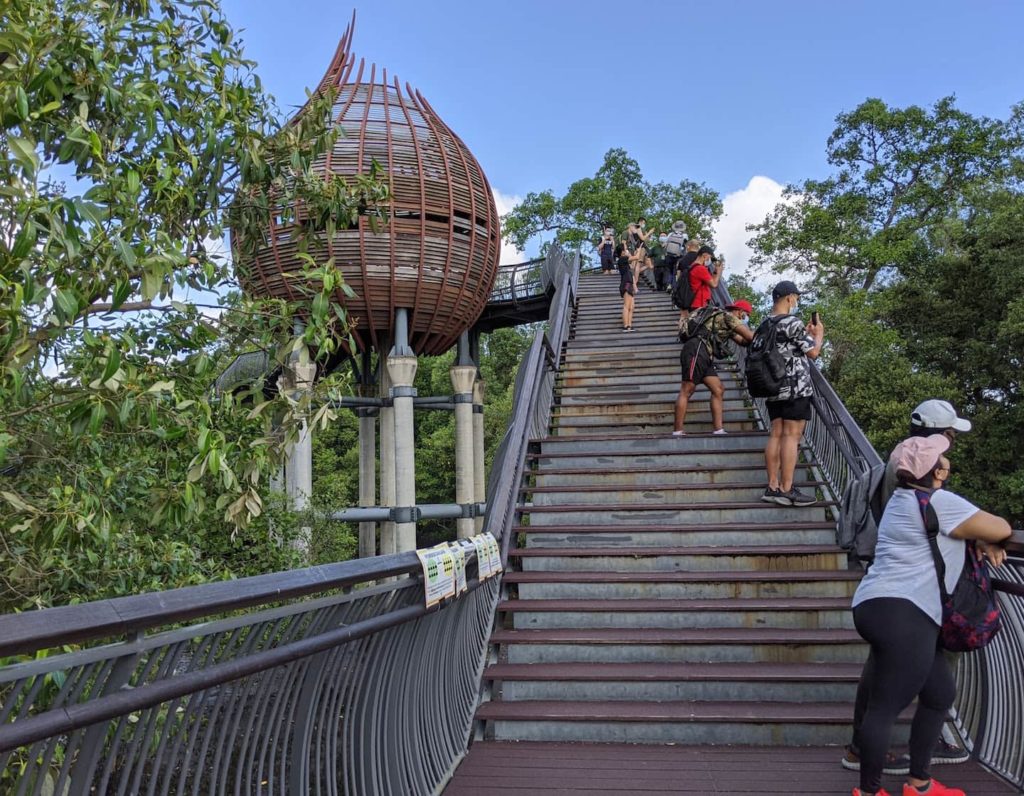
506,768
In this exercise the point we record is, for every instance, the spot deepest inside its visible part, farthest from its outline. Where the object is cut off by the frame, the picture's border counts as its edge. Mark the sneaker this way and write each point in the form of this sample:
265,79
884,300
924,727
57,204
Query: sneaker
772,496
947,753
879,792
798,498
935,788
678,433
719,431
894,764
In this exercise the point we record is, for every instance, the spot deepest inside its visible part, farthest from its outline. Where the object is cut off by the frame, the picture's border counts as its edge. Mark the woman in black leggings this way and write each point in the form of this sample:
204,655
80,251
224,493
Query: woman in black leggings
897,610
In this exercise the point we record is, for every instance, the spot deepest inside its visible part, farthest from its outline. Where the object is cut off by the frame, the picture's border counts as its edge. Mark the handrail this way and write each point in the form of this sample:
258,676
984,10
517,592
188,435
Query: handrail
989,711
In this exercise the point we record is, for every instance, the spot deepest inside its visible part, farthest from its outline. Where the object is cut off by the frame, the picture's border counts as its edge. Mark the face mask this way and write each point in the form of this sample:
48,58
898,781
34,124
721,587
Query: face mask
794,308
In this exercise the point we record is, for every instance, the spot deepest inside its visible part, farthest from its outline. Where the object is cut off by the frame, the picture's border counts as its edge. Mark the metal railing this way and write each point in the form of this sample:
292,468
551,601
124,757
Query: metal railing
322,680
327,680
989,711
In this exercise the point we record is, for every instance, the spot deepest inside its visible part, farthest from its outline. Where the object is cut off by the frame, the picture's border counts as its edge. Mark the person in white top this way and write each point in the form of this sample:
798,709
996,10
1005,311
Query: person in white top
898,611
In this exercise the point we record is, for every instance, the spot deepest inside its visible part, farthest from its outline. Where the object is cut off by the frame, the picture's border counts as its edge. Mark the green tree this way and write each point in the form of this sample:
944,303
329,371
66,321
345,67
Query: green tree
915,258
131,132
615,196
899,172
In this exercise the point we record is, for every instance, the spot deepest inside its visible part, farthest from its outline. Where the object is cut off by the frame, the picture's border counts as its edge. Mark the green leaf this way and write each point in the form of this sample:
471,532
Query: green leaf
152,282
67,303
113,364
161,386
21,99
25,153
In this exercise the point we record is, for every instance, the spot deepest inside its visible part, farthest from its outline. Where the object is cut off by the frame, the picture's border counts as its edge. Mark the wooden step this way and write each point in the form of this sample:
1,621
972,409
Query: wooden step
683,577
676,672
626,711
733,604
646,552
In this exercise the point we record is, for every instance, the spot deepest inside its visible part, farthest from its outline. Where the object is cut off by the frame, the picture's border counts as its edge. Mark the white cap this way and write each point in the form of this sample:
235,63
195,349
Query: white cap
938,414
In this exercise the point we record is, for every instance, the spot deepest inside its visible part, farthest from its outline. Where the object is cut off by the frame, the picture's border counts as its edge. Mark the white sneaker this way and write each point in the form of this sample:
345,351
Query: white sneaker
719,431
678,433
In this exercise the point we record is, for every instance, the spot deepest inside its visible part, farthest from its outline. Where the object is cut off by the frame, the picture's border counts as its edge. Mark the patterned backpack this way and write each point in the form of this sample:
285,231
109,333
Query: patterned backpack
970,615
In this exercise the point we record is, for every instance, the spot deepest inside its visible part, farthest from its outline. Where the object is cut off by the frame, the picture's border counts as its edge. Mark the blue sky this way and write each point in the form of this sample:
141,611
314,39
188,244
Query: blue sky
719,92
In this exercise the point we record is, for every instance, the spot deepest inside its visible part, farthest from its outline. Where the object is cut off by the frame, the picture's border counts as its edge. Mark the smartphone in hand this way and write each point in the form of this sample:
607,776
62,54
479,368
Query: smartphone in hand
814,318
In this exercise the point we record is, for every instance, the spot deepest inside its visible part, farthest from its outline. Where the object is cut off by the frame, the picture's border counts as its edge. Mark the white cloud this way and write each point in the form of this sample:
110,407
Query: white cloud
749,205
505,202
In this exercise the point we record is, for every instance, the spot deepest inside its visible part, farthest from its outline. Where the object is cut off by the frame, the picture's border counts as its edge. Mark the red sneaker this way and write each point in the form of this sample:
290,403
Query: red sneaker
936,788
879,792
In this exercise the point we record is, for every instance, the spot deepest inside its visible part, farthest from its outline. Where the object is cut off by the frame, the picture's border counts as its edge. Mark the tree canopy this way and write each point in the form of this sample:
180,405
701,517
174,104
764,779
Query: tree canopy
899,173
615,196
132,132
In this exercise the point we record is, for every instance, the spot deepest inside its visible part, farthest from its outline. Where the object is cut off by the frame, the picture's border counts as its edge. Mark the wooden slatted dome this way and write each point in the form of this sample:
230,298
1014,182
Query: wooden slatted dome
437,252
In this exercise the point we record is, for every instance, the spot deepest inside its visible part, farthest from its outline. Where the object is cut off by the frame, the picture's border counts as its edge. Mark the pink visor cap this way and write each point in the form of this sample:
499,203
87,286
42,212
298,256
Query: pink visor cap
919,455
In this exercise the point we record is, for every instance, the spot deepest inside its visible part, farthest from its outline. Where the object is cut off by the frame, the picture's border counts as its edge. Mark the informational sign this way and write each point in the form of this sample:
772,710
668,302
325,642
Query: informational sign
488,555
495,553
438,573
483,556
458,550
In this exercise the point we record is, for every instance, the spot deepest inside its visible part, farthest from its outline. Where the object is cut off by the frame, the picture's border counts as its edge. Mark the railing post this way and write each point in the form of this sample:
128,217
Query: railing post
479,453
463,374
402,366
388,542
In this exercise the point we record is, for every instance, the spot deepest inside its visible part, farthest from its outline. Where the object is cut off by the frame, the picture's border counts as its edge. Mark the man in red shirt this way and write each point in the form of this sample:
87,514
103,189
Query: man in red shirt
702,282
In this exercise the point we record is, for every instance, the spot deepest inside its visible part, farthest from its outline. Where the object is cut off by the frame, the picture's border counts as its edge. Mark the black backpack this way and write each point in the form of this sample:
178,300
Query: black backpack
682,293
766,367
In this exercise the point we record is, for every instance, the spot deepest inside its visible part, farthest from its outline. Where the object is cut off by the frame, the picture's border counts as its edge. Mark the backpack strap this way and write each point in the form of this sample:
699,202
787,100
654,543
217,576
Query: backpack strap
931,528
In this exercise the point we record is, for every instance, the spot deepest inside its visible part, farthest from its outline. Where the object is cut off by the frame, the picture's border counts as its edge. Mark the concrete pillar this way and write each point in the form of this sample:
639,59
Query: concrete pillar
388,543
367,479
463,377
298,470
402,371
479,462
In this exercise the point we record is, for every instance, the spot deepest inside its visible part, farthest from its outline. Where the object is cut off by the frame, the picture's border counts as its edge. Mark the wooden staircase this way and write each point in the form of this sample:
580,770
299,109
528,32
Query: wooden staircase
652,596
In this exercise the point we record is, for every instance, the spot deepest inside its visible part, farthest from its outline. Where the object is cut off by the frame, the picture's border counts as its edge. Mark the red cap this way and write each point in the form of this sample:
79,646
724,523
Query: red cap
742,304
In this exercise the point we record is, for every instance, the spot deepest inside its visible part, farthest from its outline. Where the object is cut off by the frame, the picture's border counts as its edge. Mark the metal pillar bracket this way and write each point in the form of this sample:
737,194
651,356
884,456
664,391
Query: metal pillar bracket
463,398
403,392
478,409
406,514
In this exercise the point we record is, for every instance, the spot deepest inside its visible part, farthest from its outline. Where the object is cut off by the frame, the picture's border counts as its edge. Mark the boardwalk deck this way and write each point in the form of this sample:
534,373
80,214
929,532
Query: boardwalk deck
506,768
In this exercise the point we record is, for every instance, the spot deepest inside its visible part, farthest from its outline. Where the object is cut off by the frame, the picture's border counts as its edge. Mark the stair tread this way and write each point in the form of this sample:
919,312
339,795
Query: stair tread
660,487
699,468
696,550
676,672
672,606
614,437
739,504
812,525
803,712
730,576
678,635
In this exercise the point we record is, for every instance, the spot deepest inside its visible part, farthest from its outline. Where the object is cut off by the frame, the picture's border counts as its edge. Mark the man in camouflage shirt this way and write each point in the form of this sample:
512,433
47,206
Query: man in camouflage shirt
790,410
697,358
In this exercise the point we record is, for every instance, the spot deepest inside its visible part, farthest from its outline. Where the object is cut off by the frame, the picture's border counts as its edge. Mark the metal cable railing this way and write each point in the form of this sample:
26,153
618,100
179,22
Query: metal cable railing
332,679
989,711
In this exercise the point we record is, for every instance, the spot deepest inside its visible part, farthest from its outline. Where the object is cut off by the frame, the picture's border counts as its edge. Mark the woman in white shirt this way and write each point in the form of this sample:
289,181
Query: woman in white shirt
897,610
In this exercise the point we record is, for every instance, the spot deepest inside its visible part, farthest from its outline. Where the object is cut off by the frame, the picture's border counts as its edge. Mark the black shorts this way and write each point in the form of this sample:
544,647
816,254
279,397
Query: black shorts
607,262
696,362
627,286
793,409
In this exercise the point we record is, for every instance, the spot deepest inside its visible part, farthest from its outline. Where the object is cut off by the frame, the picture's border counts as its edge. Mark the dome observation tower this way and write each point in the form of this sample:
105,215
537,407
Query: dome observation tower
436,252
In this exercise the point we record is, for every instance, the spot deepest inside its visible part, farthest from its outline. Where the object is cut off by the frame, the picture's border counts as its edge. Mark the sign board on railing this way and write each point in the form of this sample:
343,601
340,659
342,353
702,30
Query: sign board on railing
444,566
